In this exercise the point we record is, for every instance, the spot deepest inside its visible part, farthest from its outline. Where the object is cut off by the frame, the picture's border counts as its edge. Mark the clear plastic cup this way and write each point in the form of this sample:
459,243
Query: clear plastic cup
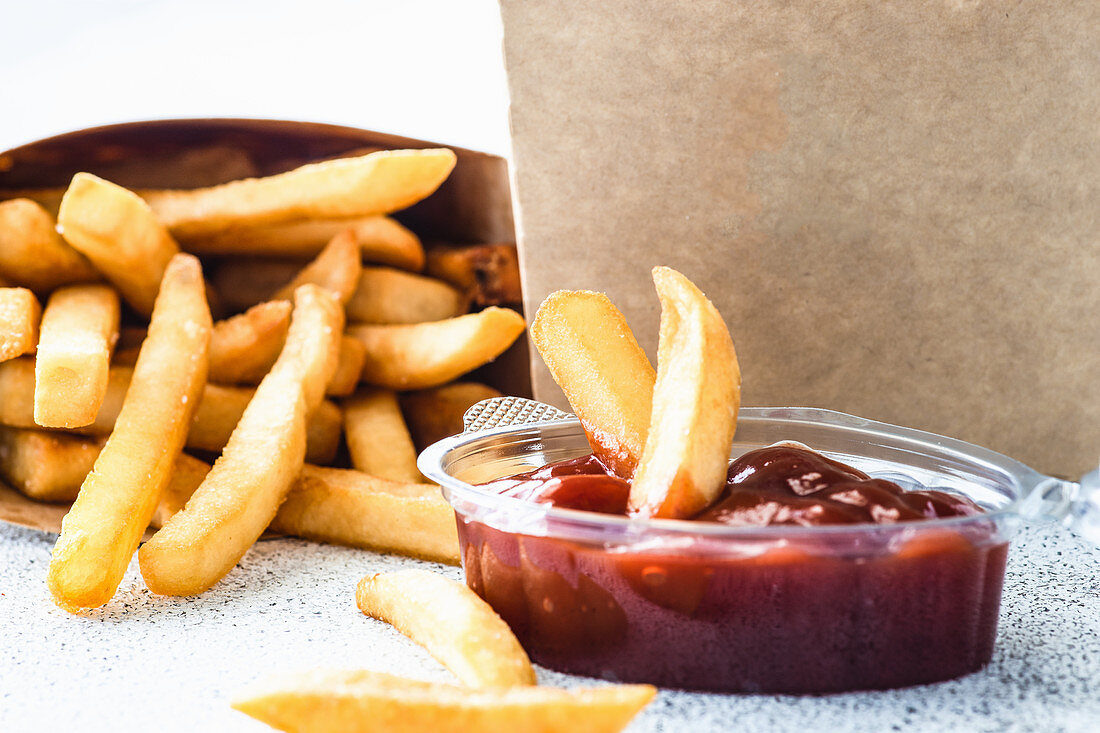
759,609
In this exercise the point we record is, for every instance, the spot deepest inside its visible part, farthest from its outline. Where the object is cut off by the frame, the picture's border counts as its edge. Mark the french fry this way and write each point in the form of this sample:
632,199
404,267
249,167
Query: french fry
222,407
20,315
372,184
448,619
344,507
386,295
351,508
375,702
239,497
425,355
434,414
348,367
50,466
487,273
378,440
118,232
47,198
33,254
381,240
244,348
116,501
79,329
46,466
219,410
336,268
607,378
255,359
695,402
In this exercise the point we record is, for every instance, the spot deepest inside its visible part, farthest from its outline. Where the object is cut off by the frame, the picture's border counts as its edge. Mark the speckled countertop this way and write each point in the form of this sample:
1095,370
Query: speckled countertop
149,663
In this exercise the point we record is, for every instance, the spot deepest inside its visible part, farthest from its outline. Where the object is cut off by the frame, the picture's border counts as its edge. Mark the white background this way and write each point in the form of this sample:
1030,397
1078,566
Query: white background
427,69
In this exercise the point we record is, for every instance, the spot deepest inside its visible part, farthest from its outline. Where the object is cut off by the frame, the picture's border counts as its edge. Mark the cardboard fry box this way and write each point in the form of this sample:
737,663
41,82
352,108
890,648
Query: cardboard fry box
896,206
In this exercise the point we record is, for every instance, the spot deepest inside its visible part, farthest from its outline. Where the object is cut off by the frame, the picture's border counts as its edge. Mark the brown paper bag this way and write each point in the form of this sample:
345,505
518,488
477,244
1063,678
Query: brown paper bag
896,206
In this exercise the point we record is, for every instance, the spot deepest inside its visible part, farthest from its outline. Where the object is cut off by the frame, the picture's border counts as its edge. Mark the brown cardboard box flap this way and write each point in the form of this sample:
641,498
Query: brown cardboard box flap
895,206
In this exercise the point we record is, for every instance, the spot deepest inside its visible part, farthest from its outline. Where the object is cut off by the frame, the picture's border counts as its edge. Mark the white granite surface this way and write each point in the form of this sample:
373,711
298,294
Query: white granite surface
149,663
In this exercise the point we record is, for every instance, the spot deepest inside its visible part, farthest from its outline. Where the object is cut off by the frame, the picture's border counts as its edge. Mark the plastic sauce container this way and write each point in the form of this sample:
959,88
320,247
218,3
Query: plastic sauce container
759,609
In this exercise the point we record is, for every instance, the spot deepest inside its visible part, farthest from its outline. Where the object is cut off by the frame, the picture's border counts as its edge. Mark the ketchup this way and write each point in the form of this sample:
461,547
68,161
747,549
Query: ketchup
792,614
778,485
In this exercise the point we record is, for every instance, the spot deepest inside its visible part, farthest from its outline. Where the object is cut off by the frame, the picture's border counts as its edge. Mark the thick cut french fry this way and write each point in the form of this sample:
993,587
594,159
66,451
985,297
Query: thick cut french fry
348,368
386,295
375,702
118,232
336,268
79,330
695,402
116,501
239,497
33,254
378,440
377,183
244,348
382,240
607,378
344,507
434,414
20,315
423,355
46,466
351,508
217,413
448,619
487,273
51,466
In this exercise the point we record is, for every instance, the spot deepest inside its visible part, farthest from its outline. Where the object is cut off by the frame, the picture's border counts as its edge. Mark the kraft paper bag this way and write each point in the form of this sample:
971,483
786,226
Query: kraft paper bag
896,206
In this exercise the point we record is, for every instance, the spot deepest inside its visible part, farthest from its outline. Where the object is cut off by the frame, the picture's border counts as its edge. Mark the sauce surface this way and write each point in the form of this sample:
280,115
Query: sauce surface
777,485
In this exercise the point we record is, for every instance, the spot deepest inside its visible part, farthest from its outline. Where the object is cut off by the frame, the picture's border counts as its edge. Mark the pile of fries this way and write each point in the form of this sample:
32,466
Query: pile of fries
189,362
